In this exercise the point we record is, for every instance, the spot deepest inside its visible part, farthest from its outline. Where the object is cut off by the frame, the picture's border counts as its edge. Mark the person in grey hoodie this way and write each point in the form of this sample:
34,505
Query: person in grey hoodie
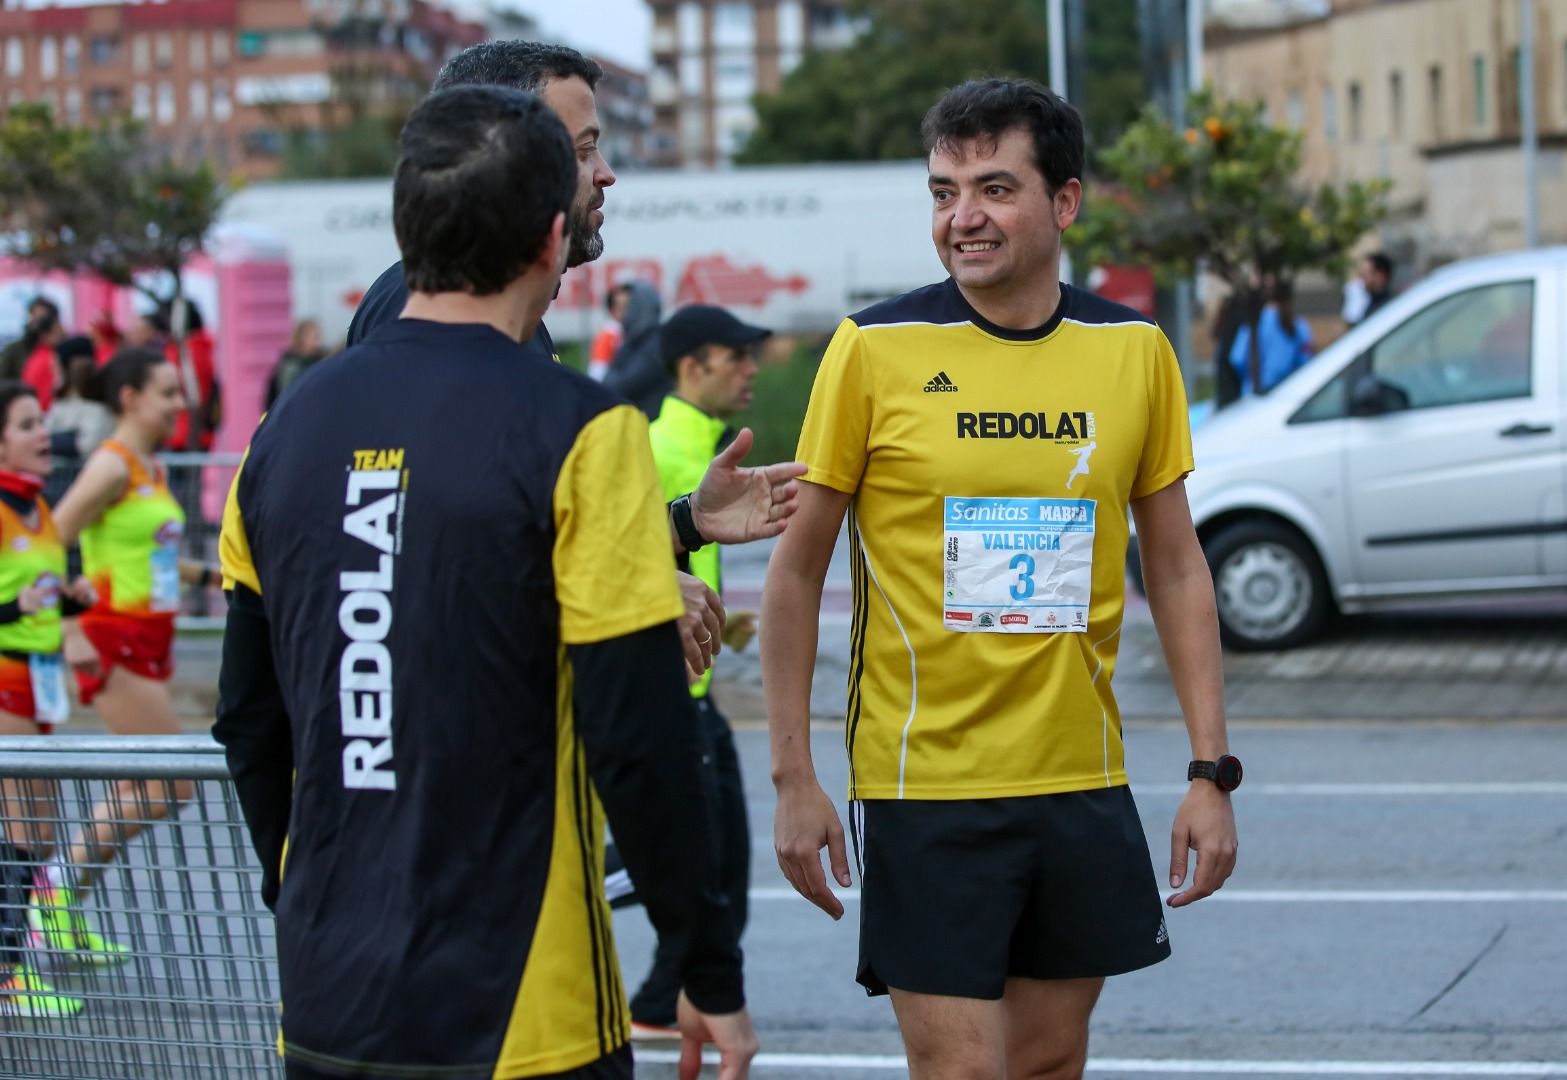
637,372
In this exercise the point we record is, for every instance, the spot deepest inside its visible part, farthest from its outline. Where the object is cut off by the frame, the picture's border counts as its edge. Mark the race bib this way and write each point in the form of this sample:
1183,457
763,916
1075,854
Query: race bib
50,705
1017,566
166,578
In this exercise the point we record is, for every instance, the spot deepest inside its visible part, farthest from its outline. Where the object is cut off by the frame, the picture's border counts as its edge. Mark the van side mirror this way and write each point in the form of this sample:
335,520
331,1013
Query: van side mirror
1373,397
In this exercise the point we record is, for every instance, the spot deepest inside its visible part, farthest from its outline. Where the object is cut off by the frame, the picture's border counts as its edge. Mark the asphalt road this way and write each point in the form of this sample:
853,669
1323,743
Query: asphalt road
1397,910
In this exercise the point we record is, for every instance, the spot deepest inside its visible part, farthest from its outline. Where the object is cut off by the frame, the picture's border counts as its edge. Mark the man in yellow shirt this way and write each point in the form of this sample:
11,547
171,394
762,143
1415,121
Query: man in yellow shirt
986,436
711,357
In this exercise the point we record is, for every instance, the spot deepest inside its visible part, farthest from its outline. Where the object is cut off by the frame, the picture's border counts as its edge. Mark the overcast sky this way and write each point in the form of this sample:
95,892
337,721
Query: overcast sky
619,29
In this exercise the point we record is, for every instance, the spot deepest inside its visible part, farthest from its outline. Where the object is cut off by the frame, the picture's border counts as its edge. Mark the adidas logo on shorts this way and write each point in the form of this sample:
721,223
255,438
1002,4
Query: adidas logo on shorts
941,385
1164,934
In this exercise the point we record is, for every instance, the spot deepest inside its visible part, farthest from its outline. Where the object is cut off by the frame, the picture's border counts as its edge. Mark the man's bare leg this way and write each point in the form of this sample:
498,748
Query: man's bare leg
952,1038
1047,1027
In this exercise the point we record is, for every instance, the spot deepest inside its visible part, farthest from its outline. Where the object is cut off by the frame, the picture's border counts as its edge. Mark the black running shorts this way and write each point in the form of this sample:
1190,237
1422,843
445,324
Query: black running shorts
958,896
616,1066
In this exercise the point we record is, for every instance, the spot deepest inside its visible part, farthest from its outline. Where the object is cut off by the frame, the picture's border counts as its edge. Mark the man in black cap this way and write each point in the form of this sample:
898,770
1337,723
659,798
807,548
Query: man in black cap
711,357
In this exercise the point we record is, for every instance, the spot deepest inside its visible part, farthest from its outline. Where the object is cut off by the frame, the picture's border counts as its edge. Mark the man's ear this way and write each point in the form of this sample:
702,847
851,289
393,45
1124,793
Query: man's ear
555,246
1068,201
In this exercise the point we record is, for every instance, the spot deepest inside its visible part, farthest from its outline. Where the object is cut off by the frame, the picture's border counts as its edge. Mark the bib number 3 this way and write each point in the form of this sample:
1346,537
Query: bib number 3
1017,566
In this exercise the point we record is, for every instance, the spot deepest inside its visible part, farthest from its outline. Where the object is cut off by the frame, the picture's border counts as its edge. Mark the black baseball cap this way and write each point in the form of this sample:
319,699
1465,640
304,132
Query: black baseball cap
688,329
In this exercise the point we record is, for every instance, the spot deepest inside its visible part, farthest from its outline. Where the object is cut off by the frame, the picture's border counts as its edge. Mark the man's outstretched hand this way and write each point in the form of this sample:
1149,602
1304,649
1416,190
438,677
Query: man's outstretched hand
735,506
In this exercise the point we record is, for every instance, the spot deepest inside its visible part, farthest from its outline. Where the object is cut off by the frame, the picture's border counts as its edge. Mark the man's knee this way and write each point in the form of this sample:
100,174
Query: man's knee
1063,1057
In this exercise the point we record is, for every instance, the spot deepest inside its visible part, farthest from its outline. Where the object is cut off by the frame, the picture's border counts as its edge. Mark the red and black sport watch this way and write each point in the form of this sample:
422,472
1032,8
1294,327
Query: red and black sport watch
1226,773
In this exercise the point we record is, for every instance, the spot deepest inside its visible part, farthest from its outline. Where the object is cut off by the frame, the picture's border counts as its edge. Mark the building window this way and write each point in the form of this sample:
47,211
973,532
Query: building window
73,105
1295,111
1480,102
1395,101
103,51
1434,92
222,104
693,75
736,77
141,101
15,58
163,50
791,26
141,54
734,25
48,58
1354,112
165,102
196,51
689,18
262,143
198,100
220,48
1329,115
104,100
73,56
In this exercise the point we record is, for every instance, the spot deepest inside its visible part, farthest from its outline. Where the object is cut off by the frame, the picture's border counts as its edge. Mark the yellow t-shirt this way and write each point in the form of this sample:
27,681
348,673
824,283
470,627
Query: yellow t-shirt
991,471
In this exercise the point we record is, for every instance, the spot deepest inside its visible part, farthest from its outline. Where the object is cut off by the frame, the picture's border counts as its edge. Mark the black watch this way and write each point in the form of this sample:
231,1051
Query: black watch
685,524
1225,773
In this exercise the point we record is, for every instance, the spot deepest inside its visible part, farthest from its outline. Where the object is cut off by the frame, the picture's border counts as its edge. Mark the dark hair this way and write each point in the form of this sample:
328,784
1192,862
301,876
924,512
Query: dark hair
520,65
193,319
1381,263
157,320
72,347
484,171
986,109
47,304
128,367
10,390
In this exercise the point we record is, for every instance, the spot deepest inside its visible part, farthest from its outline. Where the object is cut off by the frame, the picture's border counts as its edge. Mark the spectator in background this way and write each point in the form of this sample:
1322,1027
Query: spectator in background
1376,273
637,372
42,368
77,423
304,352
1284,337
41,313
200,384
606,343
106,338
149,330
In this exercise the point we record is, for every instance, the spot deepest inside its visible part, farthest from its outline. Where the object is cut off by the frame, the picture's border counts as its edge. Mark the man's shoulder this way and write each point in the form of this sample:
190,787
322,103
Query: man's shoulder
932,305
1090,309
382,303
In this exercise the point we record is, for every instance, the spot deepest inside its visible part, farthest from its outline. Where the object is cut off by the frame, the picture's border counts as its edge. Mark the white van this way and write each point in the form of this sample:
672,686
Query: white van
1422,455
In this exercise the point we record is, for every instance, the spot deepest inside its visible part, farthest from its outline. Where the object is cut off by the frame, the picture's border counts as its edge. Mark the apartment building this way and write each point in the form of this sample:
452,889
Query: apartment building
1425,93
221,78
712,57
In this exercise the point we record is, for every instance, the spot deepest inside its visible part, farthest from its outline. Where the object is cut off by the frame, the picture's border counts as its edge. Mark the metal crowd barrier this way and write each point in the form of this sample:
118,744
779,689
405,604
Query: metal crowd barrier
196,993
200,482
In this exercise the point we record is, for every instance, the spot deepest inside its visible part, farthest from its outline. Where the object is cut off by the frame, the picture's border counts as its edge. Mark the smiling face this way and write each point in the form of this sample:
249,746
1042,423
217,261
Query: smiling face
155,408
571,99
996,224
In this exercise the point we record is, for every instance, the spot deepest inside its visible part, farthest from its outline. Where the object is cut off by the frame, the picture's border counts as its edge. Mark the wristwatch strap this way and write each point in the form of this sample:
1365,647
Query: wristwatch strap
685,525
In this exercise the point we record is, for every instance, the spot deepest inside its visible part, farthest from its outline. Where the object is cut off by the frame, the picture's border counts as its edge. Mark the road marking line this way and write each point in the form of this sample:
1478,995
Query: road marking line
1542,787
1314,896
1164,1065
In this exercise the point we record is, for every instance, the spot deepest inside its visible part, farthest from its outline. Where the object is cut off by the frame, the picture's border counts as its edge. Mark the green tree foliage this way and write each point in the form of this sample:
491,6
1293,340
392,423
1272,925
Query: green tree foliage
865,102
97,198
1222,193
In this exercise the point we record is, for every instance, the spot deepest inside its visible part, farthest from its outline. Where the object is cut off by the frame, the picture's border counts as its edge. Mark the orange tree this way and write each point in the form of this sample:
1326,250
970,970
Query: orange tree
101,199
1222,195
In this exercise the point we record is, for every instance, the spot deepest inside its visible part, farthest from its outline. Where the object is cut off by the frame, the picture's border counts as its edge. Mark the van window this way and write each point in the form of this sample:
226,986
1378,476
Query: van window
1472,346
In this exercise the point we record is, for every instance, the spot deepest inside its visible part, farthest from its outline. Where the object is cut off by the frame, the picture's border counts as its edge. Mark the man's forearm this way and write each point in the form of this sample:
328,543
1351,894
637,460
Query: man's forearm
791,611
1187,620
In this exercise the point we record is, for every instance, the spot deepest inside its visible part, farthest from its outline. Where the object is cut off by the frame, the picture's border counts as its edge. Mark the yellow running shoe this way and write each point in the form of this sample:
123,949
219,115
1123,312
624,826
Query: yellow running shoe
24,994
60,927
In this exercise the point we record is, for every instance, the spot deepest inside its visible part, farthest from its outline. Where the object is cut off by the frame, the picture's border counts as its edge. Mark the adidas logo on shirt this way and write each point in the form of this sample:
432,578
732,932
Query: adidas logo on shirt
941,385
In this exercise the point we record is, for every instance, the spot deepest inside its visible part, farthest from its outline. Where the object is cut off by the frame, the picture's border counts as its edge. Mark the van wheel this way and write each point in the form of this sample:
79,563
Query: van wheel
1270,586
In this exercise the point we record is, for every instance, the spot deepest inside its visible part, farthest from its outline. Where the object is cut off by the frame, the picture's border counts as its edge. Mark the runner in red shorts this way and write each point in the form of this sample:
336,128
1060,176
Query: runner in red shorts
129,526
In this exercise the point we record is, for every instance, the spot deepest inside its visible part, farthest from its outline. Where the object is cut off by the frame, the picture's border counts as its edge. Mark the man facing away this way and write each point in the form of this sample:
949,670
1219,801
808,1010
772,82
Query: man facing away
711,357
731,505
432,694
1004,873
